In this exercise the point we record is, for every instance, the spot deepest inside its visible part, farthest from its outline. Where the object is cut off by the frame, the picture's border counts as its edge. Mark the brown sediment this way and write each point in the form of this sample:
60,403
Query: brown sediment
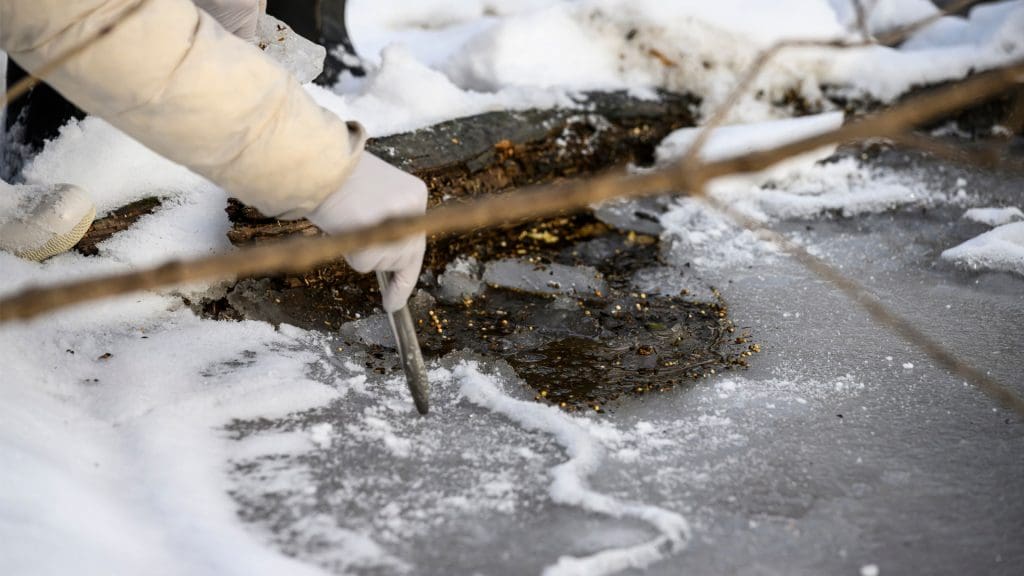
471,157
579,352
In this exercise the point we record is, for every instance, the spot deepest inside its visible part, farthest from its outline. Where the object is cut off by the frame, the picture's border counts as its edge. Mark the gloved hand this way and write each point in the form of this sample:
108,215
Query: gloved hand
238,16
376,191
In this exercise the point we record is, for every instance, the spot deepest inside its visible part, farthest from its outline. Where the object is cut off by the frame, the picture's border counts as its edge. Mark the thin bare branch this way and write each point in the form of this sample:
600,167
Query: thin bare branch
743,86
1015,119
302,254
688,174
986,157
879,311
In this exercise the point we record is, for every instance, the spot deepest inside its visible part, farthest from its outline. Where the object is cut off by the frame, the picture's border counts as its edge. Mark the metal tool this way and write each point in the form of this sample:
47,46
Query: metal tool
408,348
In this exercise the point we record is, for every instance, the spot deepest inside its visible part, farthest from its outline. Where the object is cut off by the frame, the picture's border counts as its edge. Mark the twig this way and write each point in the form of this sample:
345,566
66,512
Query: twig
687,174
1015,118
986,157
301,254
902,33
878,311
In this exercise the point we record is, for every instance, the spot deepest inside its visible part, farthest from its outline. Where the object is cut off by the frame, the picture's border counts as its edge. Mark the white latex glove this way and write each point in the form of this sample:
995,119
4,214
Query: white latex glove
373,192
237,16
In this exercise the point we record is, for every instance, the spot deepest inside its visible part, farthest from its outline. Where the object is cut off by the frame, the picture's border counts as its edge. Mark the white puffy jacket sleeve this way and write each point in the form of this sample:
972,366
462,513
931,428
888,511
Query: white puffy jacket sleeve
172,78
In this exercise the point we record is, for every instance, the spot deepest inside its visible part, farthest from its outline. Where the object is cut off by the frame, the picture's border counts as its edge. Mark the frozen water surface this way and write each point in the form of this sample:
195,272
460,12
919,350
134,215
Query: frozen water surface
841,450
826,456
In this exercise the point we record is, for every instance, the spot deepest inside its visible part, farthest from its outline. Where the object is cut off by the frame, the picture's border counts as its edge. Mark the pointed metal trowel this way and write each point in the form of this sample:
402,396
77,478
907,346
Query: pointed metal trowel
408,348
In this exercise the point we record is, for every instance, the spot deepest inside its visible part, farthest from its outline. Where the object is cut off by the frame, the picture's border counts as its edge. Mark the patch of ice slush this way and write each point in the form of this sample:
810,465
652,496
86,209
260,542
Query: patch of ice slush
704,239
271,444
843,187
800,188
321,435
380,430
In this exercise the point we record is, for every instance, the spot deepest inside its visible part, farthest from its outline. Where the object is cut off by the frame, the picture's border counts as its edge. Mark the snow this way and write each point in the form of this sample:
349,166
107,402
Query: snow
434,61
988,23
994,216
116,421
737,140
843,187
404,94
1000,249
989,38
805,186
611,44
615,44
103,437
888,15
112,168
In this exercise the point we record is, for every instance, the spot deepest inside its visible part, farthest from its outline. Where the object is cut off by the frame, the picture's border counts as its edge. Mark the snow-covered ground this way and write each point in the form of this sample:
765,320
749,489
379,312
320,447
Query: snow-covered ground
138,438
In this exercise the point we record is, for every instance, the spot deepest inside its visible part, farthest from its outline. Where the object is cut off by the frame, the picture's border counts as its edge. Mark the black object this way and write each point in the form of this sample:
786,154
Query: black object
322,21
31,120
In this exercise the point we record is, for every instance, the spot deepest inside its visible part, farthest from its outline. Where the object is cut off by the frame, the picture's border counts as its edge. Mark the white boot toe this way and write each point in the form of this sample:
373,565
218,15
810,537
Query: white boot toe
37,222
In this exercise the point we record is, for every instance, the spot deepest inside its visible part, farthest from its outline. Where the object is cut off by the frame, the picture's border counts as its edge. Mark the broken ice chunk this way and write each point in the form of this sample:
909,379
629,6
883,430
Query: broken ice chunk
642,216
375,330
460,280
544,278
372,330
303,58
665,281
